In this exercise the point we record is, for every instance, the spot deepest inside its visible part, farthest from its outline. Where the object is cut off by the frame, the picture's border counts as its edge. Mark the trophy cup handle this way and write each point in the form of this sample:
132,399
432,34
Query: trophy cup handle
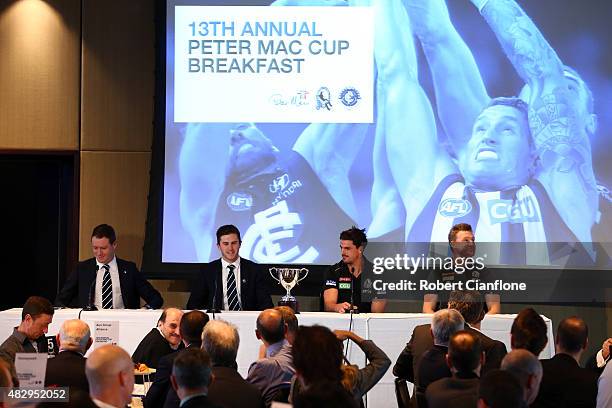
303,277
273,272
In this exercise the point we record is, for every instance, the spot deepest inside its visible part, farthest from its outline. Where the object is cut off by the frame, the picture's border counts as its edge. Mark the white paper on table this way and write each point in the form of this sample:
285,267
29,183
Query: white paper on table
31,369
106,332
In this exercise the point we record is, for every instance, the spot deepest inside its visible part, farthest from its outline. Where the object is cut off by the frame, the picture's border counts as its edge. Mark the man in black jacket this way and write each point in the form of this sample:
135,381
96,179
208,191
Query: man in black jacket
107,281
231,282
160,341
191,376
67,369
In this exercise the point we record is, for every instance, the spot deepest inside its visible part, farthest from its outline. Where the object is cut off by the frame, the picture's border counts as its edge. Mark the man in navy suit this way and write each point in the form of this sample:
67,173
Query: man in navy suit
118,283
231,282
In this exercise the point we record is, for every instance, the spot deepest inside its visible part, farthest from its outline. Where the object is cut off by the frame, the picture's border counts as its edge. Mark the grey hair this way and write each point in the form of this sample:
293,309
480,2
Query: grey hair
522,364
444,323
74,335
220,339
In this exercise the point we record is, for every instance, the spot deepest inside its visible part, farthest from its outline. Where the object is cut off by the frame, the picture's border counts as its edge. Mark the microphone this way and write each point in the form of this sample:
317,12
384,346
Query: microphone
91,306
213,308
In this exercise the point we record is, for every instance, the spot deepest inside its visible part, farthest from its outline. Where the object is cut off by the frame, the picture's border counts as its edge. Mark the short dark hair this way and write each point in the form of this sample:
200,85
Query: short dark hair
529,331
324,395
317,355
456,228
356,235
104,231
226,230
191,326
469,303
35,306
191,368
501,389
518,104
572,334
272,334
464,351
289,317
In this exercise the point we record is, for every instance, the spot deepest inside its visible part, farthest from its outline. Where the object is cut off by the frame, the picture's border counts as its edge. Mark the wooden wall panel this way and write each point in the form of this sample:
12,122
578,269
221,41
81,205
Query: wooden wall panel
39,74
114,188
118,75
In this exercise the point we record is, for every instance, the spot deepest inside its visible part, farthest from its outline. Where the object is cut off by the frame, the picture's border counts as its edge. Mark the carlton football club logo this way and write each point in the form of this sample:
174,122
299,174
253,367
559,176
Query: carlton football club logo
454,207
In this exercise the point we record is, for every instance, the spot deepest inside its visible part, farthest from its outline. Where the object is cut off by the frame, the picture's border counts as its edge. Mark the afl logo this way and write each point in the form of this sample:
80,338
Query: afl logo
239,201
454,207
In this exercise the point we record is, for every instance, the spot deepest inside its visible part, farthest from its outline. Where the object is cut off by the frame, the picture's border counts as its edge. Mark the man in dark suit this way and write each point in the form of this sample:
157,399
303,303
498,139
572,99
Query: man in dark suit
107,281
231,282
471,307
529,332
564,382
191,376
464,359
67,369
160,341
191,326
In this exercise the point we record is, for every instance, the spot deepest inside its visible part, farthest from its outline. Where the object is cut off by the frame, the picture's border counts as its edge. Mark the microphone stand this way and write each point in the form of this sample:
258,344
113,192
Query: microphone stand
213,309
91,307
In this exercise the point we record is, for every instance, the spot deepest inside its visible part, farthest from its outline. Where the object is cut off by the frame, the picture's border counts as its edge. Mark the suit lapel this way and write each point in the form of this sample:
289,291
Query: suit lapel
123,276
217,281
245,279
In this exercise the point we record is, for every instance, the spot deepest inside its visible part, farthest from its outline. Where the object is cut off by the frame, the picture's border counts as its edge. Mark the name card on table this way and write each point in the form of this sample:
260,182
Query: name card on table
31,369
106,332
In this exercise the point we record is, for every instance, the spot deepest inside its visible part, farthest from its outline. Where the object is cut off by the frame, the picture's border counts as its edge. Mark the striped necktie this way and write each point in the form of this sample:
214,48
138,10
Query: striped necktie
232,293
107,289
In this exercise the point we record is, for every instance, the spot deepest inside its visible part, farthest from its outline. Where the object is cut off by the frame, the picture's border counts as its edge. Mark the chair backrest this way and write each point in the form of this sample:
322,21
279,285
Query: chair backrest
401,393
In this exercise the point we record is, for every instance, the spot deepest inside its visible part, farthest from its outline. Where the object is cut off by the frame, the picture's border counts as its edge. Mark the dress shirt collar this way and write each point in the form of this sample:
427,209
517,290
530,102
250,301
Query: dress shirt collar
112,264
273,349
189,397
236,263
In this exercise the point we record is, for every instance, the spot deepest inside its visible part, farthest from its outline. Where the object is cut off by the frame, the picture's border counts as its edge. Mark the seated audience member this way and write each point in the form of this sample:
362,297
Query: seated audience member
191,326
471,306
110,374
564,382
29,336
67,369
318,349
220,340
465,359
500,389
118,283
600,359
604,394
527,369
433,365
191,376
325,396
272,373
160,341
529,332
290,320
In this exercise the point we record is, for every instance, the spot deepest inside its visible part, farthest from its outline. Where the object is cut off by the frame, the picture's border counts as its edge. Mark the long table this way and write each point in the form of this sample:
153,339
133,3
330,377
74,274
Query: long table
389,331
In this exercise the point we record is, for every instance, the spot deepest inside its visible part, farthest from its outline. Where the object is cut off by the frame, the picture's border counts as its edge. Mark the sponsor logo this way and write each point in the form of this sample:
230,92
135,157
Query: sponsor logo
454,207
324,98
349,96
279,183
513,211
330,283
344,285
344,279
284,188
299,98
239,201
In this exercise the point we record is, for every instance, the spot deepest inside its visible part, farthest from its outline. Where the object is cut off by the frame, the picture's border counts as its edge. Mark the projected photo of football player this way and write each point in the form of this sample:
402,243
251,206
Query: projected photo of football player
520,172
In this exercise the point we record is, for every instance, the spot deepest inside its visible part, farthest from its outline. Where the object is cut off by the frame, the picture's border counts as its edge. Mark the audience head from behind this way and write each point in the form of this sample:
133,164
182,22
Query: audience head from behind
191,373
527,369
220,340
74,335
271,327
469,303
324,396
290,320
465,353
191,326
444,323
529,332
168,325
317,355
572,337
36,315
500,389
110,374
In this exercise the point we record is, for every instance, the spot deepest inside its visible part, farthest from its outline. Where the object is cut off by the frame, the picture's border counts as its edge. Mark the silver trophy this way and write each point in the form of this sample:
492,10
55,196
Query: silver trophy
288,278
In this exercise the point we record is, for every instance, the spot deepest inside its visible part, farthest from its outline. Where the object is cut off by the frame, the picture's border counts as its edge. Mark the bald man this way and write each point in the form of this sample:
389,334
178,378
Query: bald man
272,374
110,373
528,369
160,341
67,369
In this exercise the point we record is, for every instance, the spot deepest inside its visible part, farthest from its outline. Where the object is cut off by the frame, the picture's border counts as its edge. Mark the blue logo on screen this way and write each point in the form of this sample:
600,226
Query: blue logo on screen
454,207
239,201
349,96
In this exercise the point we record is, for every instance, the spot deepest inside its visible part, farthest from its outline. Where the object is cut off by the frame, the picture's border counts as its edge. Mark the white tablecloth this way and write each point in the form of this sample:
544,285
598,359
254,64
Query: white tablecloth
389,331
